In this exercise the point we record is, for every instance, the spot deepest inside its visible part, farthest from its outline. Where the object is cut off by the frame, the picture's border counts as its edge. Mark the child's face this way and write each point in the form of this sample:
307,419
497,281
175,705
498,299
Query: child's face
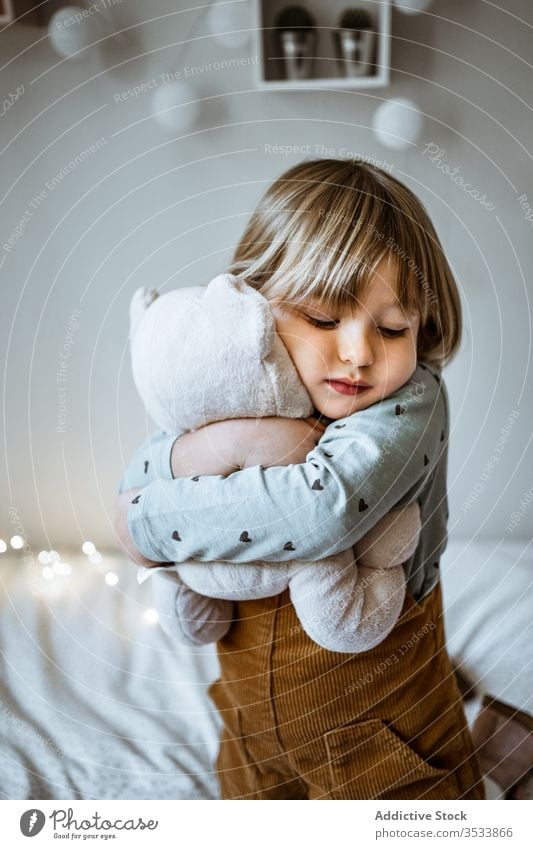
375,345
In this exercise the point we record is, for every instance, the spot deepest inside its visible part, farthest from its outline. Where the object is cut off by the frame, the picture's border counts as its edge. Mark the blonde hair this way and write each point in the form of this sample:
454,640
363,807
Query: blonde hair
322,228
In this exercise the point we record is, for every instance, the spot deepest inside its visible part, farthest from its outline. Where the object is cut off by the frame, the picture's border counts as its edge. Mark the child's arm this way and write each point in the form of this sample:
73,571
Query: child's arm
221,449
362,467
233,444
217,449
150,462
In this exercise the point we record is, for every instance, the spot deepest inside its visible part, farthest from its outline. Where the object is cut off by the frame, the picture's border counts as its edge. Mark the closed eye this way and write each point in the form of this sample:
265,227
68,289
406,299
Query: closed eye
325,324
392,334
331,324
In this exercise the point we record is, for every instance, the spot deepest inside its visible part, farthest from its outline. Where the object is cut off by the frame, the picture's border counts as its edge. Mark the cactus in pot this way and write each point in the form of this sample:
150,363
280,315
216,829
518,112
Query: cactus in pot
355,41
296,40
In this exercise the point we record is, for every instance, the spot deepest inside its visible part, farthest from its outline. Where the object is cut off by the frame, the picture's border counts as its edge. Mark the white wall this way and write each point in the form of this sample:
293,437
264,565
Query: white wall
146,209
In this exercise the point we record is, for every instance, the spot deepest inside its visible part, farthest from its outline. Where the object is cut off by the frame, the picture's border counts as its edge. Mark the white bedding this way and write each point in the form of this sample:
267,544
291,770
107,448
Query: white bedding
96,703
488,602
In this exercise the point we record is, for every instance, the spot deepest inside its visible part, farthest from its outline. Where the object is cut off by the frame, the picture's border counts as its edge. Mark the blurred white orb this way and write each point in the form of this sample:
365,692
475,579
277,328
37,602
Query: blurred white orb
16,541
111,578
3,546
88,547
150,616
61,568
229,25
54,556
398,123
70,30
43,557
412,7
48,573
175,106
95,557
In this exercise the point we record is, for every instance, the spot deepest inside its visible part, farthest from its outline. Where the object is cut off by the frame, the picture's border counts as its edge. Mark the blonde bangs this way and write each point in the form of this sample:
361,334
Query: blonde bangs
321,231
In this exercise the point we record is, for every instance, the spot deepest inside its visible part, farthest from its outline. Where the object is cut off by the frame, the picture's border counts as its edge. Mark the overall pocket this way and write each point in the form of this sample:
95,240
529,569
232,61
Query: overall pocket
368,760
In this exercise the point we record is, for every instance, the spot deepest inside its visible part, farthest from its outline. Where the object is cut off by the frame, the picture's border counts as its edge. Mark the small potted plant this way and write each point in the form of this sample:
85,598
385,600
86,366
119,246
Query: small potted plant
296,41
354,42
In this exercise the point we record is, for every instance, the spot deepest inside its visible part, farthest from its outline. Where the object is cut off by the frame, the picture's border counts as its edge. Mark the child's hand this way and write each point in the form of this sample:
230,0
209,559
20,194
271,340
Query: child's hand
121,527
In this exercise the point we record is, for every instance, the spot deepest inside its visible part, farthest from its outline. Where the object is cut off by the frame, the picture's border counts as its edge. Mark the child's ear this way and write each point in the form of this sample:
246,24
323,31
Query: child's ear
238,312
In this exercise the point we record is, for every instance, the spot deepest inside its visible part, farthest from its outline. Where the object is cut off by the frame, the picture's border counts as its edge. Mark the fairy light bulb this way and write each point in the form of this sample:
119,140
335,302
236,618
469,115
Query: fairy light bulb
16,541
70,31
111,579
88,547
398,123
150,616
175,106
3,546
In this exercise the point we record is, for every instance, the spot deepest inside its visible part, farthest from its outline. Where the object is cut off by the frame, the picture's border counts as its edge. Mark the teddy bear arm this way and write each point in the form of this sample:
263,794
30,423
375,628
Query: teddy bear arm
235,581
187,616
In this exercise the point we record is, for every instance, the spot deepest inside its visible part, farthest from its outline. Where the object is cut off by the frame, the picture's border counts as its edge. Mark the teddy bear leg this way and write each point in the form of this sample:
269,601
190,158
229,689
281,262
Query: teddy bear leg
187,616
383,592
344,607
321,593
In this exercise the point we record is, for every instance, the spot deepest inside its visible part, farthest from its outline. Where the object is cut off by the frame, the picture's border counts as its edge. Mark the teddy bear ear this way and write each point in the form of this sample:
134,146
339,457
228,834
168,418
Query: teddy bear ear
241,314
141,300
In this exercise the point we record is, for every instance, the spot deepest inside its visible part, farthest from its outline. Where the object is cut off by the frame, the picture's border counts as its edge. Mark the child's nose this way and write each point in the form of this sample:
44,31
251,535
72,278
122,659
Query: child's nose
355,348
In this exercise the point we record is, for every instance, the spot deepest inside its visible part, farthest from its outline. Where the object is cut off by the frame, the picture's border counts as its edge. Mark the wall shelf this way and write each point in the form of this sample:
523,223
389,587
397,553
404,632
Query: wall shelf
326,71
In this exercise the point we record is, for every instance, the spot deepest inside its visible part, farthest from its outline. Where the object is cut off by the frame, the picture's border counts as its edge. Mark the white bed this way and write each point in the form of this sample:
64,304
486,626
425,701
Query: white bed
97,703
488,600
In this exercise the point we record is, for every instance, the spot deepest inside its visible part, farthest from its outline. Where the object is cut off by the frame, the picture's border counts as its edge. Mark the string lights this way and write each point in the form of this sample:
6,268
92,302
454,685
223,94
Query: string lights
54,566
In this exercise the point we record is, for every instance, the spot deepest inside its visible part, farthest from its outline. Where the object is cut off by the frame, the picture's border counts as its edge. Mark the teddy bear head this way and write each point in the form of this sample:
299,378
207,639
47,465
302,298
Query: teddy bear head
203,354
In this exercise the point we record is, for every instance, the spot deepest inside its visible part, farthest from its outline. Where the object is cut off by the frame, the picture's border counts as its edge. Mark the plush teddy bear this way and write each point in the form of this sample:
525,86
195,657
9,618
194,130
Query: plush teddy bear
204,354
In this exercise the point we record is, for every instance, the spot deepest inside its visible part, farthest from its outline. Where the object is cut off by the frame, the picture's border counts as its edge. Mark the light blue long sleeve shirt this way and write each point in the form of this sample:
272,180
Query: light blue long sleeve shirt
388,455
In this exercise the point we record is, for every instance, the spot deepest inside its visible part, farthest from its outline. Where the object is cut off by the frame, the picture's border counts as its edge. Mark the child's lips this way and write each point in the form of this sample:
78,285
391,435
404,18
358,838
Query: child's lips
346,387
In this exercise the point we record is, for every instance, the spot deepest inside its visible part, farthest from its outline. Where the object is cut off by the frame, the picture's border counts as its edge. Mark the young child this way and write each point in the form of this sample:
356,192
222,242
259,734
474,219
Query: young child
368,309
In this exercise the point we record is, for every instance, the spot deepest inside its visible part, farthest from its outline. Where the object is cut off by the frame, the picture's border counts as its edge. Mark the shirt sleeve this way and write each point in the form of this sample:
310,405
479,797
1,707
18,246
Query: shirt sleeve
150,462
362,467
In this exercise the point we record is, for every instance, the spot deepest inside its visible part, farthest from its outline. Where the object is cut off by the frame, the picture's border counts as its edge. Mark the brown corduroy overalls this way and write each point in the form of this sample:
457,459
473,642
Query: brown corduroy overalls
301,722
